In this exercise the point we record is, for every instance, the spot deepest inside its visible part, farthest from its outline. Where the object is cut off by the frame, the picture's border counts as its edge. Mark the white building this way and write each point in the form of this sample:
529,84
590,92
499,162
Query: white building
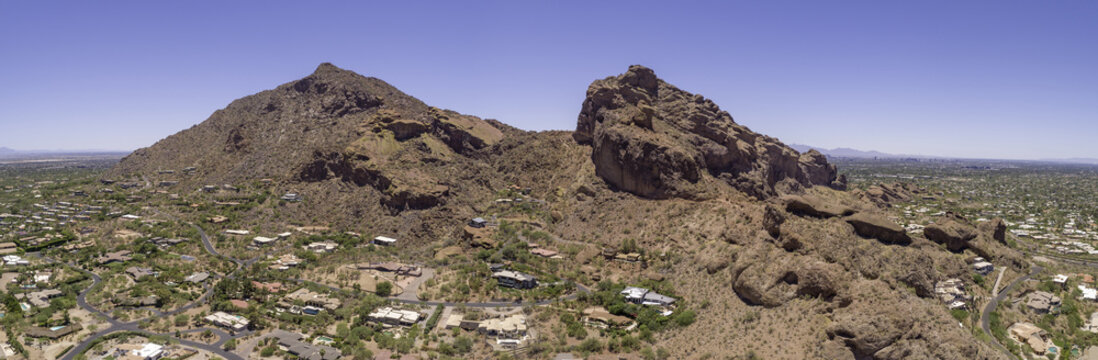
390,316
227,321
262,240
238,232
382,240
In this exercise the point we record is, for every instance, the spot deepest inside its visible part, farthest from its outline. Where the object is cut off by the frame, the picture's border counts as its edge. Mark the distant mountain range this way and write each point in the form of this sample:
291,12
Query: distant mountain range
9,153
872,154
855,153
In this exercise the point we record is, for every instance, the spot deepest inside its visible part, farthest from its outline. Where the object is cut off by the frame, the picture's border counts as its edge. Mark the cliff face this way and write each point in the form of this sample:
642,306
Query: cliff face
657,141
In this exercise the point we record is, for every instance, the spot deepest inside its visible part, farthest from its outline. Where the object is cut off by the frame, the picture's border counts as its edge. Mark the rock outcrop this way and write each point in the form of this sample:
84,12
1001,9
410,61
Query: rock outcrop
654,140
952,230
876,227
767,276
808,205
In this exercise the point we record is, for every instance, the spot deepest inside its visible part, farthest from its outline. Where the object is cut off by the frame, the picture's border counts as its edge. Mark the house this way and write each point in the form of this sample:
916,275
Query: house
600,318
7,248
263,241
1029,334
543,252
118,256
397,268
1061,280
53,332
167,183
139,272
197,277
515,279
42,276
510,327
209,188
130,217
1092,325
478,222
147,351
222,319
1088,293
285,262
394,317
283,236
271,287
982,267
293,197
1043,303
314,299
952,293
643,296
385,241
14,260
217,219
293,344
238,232
40,299
322,246
454,321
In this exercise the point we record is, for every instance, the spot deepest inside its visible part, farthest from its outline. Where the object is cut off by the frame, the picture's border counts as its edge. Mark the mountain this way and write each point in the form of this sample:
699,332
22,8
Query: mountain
760,238
850,153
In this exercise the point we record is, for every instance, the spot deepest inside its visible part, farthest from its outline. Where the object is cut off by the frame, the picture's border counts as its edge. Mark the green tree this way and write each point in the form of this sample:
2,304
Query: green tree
384,289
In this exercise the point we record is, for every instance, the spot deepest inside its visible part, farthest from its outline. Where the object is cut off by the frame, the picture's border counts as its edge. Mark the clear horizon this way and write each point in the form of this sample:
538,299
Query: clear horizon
995,80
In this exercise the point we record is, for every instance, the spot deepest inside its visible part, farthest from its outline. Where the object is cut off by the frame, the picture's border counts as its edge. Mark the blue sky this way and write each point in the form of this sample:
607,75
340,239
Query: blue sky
994,79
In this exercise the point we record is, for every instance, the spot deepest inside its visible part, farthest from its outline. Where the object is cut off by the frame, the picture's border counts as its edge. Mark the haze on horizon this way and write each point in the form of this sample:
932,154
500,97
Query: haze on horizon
977,79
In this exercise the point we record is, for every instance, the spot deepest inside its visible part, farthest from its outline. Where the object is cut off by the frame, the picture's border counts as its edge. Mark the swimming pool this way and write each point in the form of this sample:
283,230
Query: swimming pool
55,328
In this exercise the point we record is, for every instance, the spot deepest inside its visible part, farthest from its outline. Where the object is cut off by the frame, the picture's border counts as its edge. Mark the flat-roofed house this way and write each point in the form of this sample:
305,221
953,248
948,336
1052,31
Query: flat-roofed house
394,317
384,240
1043,303
515,279
225,320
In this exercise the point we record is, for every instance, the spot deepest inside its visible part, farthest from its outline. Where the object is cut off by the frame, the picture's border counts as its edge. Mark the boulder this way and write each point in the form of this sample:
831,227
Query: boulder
877,227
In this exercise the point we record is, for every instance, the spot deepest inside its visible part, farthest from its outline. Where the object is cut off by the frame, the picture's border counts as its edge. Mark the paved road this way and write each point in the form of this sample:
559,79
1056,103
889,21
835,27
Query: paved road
985,317
490,304
216,348
117,326
411,292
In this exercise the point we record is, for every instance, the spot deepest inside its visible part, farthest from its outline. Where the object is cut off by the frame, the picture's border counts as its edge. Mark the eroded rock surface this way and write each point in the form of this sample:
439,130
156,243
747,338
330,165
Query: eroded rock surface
654,140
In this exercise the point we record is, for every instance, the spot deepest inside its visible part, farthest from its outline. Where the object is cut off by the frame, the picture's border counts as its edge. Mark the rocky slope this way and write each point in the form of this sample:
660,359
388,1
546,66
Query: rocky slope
759,233
655,140
332,124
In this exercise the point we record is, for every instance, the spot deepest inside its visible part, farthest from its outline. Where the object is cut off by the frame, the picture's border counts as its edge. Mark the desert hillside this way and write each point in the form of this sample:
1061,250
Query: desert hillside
779,258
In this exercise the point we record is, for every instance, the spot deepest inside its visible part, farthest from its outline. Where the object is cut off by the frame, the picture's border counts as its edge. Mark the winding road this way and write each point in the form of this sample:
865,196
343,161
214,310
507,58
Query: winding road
985,317
134,326
223,337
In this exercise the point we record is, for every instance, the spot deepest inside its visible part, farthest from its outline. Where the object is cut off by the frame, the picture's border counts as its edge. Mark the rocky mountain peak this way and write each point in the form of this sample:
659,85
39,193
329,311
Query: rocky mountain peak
654,140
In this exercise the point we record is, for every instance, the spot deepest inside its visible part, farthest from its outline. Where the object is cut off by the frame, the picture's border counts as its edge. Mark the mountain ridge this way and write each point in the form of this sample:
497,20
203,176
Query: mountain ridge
737,220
